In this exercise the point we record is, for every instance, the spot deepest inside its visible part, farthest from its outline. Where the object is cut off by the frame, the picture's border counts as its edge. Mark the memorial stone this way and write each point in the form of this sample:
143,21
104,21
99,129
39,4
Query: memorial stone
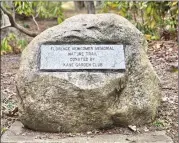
90,72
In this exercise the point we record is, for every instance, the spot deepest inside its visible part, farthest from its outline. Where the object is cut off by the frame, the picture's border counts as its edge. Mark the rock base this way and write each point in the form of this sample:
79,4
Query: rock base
17,133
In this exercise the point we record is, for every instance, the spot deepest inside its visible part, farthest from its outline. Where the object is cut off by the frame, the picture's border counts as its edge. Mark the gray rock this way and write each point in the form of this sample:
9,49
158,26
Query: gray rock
83,101
5,21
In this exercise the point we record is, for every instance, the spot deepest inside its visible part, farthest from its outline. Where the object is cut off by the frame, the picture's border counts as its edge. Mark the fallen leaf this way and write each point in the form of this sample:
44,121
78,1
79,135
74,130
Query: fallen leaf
133,128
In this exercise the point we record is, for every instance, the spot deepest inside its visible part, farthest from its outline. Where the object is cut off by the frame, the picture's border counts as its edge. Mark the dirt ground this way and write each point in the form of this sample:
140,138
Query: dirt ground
163,55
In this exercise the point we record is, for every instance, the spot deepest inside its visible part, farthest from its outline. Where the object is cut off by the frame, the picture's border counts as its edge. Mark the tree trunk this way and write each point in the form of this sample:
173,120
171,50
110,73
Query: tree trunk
90,7
79,5
98,3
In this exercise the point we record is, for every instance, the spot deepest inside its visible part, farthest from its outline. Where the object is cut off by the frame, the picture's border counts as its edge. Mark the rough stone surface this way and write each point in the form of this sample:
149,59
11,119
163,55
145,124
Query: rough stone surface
5,21
82,101
20,135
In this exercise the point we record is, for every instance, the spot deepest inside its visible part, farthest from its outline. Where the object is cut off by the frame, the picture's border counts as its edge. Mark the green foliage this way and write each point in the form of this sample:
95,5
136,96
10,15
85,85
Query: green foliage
22,43
5,46
23,7
42,9
26,25
10,43
3,130
149,17
10,105
173,68
158,123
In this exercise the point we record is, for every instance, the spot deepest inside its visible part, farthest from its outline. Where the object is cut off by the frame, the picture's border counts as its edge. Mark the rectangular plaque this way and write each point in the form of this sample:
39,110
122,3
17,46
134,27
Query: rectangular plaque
63,57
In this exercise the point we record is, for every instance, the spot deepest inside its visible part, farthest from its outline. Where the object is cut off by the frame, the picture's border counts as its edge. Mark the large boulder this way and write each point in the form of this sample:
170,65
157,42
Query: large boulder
82,101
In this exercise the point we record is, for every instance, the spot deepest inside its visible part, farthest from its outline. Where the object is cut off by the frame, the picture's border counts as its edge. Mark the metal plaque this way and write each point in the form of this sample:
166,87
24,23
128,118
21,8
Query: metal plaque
63,57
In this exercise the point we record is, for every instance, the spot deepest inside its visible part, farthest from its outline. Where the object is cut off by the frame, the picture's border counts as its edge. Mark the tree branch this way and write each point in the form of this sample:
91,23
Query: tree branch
3,27
14,24
35,23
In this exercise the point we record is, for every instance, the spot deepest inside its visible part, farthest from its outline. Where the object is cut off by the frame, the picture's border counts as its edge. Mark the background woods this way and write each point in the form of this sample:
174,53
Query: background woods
155,19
